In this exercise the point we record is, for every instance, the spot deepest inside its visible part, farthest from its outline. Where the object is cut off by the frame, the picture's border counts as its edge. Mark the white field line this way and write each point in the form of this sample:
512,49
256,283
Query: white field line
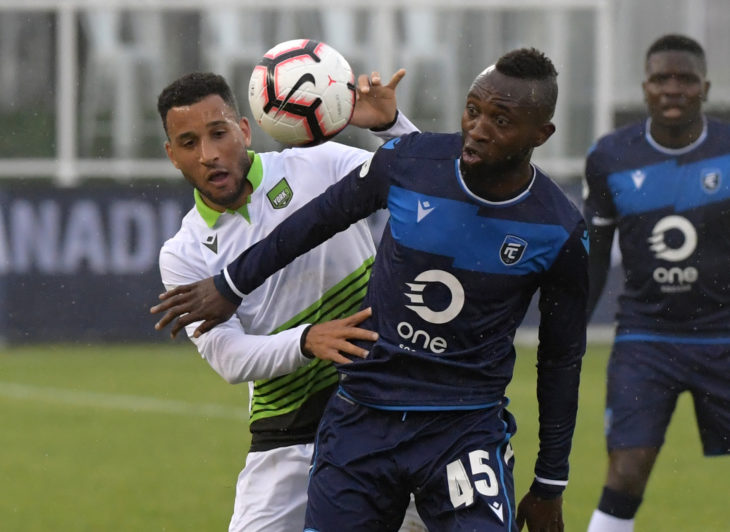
131,403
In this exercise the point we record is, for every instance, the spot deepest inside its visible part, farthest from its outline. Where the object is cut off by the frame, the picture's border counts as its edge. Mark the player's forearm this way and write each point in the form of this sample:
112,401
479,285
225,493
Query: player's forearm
599,263
558,405
240,357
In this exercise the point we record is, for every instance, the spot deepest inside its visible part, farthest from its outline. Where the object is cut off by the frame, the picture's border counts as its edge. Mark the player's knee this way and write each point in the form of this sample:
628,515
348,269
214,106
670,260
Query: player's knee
619,504
628,470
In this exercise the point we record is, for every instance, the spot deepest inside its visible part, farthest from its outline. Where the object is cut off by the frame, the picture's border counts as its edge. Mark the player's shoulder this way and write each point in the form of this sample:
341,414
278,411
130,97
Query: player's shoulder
718,128
626,145
323,163
556,201
329,150
620,139
186,236
425,145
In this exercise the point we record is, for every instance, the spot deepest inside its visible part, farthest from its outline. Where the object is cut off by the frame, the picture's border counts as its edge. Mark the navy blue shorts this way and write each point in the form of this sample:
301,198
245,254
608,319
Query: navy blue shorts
644,381
458,465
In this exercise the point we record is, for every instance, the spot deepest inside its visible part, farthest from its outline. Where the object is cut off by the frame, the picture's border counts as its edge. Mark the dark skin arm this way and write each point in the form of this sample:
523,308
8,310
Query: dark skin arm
193,302
202,301
540,515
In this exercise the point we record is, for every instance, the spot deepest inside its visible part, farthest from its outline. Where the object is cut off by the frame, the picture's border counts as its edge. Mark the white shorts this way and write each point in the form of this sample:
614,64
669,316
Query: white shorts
271,492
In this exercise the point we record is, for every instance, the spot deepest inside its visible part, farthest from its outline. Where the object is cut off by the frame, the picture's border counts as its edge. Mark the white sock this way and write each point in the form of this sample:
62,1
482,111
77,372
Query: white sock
602,522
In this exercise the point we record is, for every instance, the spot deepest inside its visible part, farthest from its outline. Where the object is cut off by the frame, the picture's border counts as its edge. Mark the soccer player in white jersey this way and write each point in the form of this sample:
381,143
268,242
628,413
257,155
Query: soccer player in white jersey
240,196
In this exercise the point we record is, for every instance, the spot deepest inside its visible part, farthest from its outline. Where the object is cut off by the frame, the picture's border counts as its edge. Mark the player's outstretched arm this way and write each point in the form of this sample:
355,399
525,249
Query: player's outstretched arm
543,515
327,340
193,302
376,104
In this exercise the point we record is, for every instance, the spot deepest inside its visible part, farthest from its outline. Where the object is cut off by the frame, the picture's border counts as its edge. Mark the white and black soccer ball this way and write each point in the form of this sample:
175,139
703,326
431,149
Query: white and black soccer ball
302,92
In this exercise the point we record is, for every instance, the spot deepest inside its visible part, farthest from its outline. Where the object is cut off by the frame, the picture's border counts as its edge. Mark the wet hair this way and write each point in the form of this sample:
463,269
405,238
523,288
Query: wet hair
532,64
674,42
190,89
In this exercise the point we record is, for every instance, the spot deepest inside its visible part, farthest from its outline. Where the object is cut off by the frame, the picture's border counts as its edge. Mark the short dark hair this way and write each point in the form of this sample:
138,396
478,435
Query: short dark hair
190,89
673,42
532,64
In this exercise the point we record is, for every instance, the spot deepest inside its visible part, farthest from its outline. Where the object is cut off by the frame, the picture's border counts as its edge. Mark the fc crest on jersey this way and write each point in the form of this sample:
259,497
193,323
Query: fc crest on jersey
711,180
280,195
512,250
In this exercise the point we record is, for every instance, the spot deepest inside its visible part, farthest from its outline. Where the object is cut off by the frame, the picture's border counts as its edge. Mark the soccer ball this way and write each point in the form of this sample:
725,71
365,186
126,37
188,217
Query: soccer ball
302,92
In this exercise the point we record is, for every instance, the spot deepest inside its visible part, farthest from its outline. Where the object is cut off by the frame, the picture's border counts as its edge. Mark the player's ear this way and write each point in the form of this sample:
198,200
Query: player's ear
170,155
706,90
246,129
544,132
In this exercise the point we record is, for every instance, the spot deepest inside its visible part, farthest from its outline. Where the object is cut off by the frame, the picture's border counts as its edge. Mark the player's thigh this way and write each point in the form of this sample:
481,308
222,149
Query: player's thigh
643,384
355,483
709,368
470,483
271,492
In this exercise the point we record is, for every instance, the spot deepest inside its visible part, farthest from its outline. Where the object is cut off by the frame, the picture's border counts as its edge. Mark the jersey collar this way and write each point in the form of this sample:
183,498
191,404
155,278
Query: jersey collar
255,176
675,151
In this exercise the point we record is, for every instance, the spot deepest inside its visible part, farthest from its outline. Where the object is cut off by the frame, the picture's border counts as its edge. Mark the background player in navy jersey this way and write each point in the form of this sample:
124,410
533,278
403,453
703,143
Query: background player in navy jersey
664,183
474,231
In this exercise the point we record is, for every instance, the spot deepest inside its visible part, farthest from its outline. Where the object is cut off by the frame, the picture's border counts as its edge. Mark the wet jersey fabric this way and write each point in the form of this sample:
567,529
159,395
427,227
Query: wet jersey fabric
670,207
453,277
260,344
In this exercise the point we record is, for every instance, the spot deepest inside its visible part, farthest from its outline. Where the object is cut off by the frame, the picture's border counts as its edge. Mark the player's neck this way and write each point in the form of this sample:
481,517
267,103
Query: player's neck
504,185
679,136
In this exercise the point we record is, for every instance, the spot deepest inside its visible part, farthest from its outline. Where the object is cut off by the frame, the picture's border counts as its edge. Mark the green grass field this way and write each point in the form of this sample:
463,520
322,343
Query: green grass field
149,438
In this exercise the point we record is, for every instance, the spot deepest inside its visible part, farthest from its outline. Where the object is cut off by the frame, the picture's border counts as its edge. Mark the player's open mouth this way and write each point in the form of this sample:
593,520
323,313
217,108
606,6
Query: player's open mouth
470,156
217,177
672,111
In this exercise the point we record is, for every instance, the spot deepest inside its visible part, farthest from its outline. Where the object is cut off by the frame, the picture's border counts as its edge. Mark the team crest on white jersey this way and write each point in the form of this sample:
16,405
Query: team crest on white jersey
711,180
512,250
280,195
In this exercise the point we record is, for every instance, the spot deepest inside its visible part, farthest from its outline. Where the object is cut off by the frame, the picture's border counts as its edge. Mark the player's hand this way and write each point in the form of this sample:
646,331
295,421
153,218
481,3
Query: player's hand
326,340
193,302
376,104
541,515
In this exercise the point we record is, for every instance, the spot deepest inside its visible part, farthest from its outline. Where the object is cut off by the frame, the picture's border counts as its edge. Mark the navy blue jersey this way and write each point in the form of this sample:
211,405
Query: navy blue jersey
671,209
453,277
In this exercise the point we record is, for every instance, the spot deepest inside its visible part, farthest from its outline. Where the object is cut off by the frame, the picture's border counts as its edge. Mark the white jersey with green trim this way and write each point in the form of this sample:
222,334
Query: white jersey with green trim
260,343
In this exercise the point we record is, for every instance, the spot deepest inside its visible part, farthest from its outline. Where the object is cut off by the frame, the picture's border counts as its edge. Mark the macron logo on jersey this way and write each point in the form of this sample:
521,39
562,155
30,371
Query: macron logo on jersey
424,209
498,510
638,177
212,243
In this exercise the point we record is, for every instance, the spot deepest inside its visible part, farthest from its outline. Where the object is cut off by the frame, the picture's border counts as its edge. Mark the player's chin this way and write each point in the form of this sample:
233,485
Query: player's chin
472,166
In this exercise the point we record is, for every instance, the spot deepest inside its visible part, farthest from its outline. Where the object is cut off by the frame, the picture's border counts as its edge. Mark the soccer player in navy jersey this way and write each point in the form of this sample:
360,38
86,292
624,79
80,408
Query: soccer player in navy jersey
664,183
475,230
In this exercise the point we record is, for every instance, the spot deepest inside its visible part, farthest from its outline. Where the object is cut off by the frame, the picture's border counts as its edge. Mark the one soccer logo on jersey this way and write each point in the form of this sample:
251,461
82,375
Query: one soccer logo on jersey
417,288
658,238
512,250
666,246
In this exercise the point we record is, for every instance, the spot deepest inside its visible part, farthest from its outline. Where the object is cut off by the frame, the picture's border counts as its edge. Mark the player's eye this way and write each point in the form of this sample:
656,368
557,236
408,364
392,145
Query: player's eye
501,121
